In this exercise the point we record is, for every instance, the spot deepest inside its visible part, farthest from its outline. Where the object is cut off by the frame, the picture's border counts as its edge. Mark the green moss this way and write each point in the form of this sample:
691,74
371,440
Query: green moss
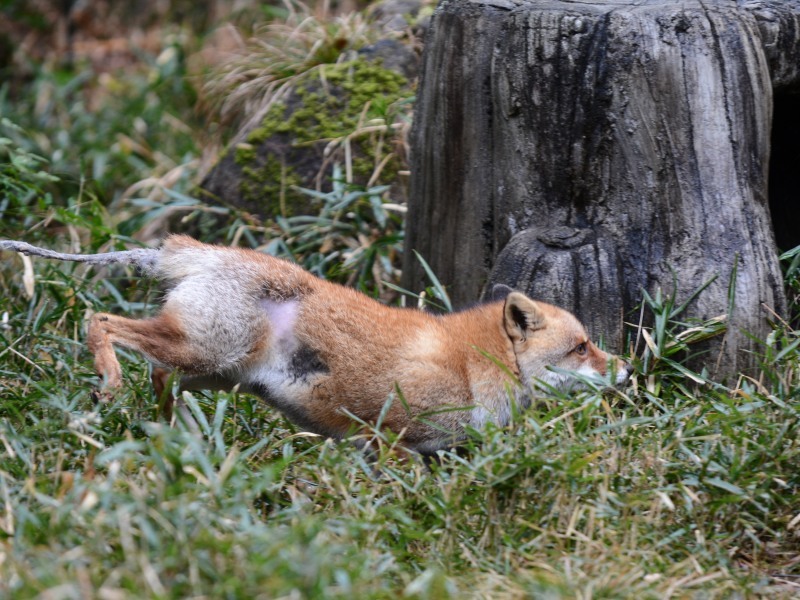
269,183
328,103
245,154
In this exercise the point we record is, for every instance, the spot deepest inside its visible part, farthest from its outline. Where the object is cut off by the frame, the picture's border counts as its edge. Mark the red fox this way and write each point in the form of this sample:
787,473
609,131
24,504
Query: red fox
323,354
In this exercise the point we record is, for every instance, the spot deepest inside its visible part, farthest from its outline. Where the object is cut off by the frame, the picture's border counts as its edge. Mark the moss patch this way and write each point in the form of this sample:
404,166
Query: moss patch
268,181
287,147
332,113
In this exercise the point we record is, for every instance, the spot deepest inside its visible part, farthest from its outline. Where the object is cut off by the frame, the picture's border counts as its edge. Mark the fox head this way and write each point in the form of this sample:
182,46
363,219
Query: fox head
545,337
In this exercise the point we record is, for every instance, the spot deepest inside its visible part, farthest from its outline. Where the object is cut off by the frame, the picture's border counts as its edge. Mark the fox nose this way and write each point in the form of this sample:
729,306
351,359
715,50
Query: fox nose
624,371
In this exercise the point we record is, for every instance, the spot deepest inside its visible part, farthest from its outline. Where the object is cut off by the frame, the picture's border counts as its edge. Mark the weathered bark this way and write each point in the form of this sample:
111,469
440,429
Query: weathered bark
582,152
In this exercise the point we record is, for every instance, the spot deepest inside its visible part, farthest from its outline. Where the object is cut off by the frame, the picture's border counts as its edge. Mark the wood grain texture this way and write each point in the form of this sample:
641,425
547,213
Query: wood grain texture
584,151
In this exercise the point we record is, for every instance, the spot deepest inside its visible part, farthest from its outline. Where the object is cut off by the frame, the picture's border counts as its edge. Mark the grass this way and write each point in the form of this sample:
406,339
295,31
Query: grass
631,494
673,487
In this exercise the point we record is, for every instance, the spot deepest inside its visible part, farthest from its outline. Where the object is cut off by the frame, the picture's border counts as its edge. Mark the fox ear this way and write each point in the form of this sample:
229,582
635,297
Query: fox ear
521,316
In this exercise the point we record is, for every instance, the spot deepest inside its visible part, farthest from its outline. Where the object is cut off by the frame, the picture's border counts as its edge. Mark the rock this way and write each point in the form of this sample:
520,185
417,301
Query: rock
325,117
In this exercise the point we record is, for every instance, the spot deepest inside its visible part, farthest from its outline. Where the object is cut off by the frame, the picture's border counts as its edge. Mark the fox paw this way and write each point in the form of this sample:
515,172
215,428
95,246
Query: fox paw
101,396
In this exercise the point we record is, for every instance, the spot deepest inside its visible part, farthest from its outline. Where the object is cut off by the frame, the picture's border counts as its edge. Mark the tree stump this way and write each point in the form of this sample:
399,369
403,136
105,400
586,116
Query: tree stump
585,151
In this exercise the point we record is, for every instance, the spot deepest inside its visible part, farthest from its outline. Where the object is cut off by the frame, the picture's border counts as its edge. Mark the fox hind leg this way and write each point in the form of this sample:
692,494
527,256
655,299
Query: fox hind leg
162,388
160,339
163,380
105,359
168,405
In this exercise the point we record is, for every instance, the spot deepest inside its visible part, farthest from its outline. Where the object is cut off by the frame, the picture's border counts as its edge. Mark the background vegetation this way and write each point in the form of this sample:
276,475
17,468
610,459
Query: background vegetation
674,486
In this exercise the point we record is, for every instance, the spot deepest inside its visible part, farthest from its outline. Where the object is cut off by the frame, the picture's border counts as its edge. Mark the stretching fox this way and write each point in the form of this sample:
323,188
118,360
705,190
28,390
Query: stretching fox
322,353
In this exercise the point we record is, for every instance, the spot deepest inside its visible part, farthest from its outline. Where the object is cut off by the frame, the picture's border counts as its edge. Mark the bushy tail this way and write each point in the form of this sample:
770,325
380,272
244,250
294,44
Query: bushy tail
144,258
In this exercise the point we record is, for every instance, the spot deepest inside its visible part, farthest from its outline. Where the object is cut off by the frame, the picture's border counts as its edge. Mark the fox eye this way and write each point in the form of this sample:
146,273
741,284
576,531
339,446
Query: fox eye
580,349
